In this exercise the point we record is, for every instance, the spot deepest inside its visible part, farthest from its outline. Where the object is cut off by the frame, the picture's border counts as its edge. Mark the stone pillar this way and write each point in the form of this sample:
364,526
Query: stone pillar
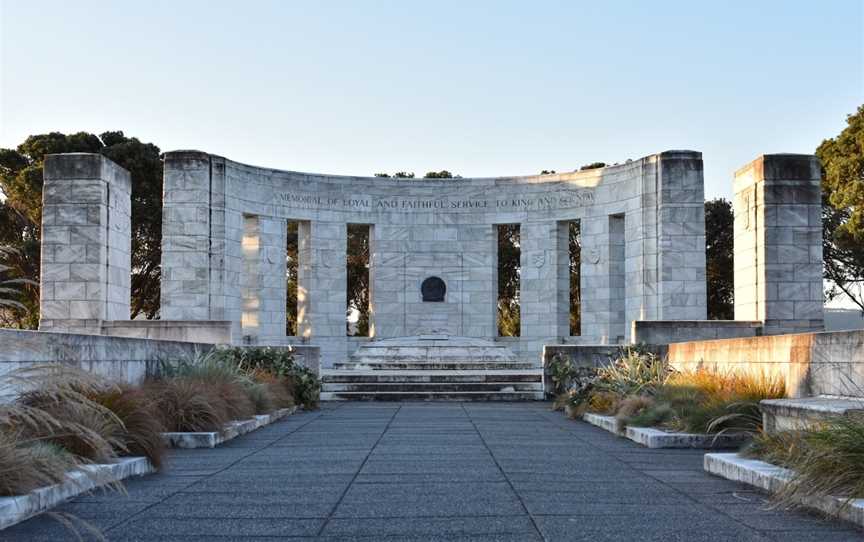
201,254
540,303
680,251
778,243
86,243
263,286
322,295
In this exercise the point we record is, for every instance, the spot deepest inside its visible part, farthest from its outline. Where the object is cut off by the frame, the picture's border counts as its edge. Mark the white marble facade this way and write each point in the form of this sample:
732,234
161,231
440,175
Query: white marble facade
643,249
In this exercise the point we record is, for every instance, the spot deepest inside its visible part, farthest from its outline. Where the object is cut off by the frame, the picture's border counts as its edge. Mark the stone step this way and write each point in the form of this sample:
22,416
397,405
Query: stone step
432,396
437,366
424,387
801,413
408,377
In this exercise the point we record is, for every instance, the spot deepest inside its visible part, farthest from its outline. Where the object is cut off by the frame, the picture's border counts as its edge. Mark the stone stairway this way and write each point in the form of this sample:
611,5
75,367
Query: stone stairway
432,368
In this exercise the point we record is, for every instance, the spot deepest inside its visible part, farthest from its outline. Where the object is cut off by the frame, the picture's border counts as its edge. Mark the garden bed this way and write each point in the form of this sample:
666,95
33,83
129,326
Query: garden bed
772,478
19,508
657,438
211,439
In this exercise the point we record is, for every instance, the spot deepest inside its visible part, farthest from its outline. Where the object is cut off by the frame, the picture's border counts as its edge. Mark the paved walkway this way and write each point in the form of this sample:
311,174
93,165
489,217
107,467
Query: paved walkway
440,471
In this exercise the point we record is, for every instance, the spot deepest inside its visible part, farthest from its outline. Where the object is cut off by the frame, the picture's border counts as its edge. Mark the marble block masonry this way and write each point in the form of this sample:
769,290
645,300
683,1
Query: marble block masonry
224,251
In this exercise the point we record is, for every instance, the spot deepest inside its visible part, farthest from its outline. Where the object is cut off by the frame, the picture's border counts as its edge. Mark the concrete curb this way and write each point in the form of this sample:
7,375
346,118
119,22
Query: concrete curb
772,478
19,508
655,438
230,431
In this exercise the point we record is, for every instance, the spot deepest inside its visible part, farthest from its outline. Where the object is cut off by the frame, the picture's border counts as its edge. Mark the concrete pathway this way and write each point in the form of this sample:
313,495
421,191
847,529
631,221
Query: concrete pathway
415,471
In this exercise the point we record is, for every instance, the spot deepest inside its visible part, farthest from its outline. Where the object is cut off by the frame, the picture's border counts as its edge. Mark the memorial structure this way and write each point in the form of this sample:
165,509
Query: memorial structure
433,267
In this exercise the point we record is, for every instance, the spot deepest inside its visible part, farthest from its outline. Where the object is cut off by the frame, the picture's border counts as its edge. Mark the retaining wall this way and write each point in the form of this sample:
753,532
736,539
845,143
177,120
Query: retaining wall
120,358
829,363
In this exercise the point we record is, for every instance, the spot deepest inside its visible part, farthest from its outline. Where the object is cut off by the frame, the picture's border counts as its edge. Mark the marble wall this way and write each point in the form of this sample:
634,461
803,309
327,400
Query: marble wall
643,255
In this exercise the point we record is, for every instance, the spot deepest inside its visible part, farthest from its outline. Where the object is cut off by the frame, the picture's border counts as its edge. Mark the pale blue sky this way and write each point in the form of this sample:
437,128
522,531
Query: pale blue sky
479,88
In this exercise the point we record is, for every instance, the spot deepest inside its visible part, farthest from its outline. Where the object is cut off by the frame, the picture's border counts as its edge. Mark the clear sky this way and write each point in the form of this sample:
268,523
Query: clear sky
479,88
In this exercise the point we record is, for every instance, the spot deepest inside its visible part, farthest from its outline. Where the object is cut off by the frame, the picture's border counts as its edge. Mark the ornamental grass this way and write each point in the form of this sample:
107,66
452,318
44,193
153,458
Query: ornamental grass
826,460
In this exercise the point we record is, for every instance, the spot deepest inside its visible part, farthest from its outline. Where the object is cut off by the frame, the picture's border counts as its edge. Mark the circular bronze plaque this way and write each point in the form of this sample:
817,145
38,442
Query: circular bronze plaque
433,289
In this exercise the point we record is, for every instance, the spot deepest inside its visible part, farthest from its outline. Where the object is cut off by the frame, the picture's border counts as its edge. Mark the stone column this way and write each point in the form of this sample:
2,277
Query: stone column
263,287
322,288
540,304
680,286
778,243
201,254
86,243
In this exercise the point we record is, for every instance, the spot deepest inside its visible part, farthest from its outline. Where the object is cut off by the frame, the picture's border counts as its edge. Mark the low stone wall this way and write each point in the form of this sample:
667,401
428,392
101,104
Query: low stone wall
811,363
203,331
676,331
120,358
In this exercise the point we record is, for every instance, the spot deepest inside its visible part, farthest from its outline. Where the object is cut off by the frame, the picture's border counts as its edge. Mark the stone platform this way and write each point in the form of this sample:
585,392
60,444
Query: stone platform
433,367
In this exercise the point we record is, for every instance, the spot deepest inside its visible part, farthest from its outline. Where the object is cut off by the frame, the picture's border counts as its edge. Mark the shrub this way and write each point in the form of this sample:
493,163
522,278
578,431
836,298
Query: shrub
632,407
634,372
142,426
827,460
710,402
261,397
304,386
277,361
54,405
562,372
188,405
25,467
603,402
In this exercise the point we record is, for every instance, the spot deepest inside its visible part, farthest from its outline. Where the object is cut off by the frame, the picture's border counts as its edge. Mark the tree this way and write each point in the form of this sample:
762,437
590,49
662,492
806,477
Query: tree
397,175
443,174
719,267
509,256
21,214
593,165
842,160
574,235
358,276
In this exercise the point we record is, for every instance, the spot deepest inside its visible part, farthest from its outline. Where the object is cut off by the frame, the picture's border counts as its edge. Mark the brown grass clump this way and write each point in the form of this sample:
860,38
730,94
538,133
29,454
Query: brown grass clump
603,402
279,395
187,405
142,425
25,466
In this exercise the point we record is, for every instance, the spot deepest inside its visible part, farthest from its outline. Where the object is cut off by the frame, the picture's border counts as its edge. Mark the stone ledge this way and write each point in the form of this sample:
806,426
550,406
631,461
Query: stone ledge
608,423
211,439
656,438
793,414
19,508
772,478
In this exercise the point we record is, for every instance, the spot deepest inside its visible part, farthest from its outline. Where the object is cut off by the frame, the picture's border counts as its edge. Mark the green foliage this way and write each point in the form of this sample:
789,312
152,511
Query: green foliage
358,258
718,256
574,235
827,460
246,360
247,363
635,372
305,387
397,175
562,371
509,262
842,160
593,165
292,270
443,174
702,401
21,213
